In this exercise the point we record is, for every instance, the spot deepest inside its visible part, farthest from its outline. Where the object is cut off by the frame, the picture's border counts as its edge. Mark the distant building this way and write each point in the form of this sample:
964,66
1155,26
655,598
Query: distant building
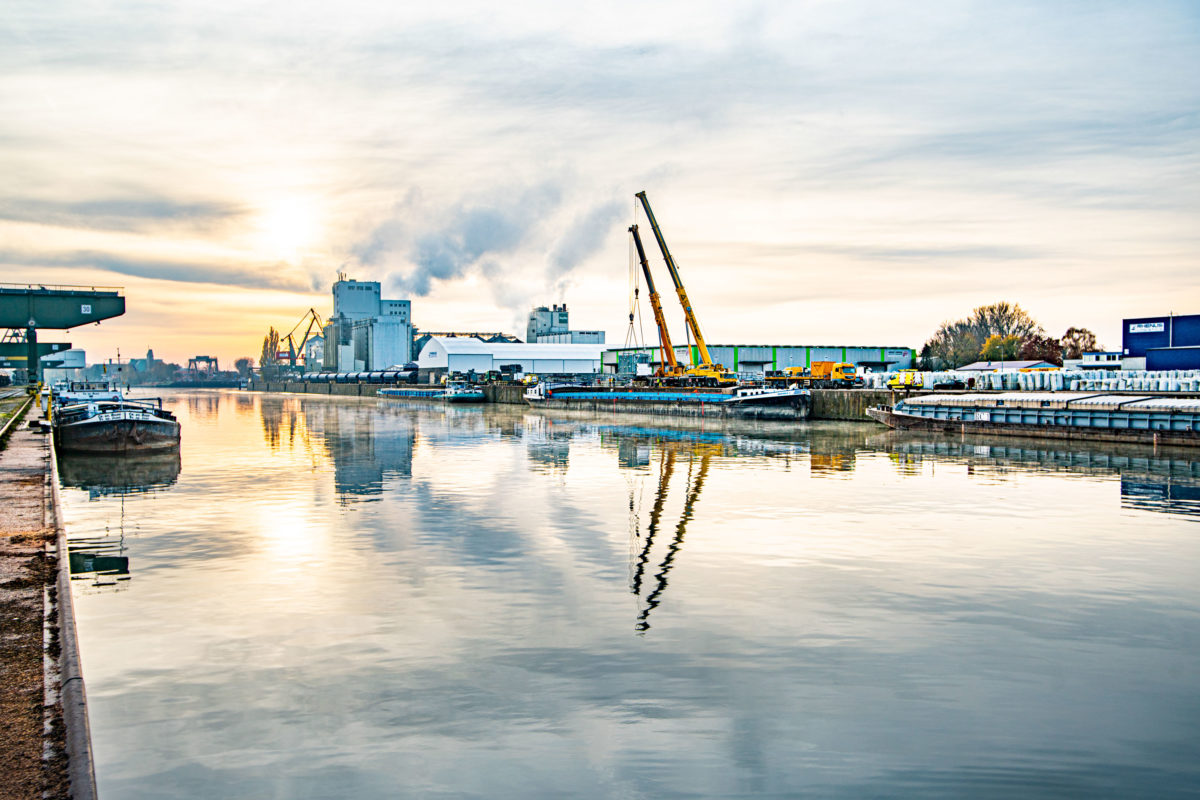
551,324
1109,361
144,364
755,359
314,350
1159,343
366,332
466,354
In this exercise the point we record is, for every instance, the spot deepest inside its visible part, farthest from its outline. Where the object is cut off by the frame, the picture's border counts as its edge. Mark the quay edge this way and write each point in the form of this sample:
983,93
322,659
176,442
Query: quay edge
46,740
81,768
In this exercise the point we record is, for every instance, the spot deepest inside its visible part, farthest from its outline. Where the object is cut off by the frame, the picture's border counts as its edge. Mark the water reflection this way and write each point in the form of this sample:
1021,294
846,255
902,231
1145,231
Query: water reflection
366,449
102,475
701,453
1166,481
535,606
100,558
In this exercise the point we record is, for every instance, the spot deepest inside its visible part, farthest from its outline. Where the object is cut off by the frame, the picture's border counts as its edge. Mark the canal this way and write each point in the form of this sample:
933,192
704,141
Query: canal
336,598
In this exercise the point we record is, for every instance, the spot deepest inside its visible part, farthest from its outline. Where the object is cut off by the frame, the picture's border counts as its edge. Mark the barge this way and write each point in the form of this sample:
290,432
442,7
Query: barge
462,392
413,394
741,403
1105,417
114,426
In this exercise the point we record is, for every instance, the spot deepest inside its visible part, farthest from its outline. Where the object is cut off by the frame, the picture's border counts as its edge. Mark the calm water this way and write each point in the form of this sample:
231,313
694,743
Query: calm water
342,599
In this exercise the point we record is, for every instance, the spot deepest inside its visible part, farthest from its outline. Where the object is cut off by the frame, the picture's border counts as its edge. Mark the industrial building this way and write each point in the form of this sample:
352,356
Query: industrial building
552,324
420,337
1161,343
365,332
755,359
465,354
65,365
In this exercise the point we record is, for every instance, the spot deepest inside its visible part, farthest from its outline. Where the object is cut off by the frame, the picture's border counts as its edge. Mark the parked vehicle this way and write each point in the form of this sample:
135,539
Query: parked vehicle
906,379
821,375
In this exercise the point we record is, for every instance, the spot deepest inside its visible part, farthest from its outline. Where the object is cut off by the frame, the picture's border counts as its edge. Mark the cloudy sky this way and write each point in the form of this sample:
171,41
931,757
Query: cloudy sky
824,172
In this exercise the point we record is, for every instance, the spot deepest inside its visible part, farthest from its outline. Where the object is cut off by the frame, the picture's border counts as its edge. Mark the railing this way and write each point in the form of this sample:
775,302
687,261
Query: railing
14,288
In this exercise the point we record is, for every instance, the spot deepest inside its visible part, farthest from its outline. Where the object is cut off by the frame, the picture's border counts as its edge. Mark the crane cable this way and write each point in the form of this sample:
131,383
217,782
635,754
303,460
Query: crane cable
638,336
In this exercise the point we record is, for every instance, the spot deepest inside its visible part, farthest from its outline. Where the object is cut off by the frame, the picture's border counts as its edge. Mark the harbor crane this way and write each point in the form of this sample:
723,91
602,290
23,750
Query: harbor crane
295,345
703,370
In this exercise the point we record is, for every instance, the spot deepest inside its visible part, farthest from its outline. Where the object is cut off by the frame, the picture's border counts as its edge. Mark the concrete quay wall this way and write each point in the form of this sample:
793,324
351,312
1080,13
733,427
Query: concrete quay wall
848,404
505,393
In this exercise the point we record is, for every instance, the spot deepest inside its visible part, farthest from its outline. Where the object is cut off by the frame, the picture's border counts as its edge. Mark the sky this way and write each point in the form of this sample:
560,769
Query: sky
824,172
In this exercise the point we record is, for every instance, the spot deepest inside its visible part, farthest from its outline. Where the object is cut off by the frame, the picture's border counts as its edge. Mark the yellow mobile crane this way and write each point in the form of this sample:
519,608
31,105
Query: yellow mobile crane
670,365
705,371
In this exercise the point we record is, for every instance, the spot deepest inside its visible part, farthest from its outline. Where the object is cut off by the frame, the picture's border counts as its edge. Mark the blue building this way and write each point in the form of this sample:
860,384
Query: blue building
1170,342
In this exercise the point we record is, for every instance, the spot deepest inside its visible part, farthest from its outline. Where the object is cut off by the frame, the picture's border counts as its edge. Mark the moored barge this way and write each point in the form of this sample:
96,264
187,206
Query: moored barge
115,426
1148,419
743,402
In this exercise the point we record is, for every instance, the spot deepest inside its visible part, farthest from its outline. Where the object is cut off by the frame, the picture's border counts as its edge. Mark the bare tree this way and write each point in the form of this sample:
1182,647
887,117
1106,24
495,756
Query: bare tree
243,366
961,342
1003,319
1041,348
1077,341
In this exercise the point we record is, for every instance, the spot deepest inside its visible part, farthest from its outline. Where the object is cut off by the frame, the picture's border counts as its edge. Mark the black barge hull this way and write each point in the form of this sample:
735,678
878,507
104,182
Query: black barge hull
117,436
910,422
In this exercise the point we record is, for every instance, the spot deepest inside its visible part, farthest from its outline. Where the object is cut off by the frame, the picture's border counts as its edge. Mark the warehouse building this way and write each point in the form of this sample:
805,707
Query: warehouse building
472,355
1161,343
755,359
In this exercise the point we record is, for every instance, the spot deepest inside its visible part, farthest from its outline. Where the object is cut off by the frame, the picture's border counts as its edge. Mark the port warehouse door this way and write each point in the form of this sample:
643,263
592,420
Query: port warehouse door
580,365
563,366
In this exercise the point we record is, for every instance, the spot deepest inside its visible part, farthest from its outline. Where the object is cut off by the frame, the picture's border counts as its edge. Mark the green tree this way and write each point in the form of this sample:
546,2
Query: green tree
268,361
1001,348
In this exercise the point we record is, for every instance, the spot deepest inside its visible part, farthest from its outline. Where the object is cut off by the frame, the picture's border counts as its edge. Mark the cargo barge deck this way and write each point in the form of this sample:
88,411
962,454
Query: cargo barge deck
1145,419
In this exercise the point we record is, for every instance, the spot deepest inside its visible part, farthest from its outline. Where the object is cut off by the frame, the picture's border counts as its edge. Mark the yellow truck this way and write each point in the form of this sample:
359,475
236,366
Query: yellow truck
821,375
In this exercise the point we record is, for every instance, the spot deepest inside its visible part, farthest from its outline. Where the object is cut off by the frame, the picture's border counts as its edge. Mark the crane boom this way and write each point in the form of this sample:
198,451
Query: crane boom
701,347
314,320
664,338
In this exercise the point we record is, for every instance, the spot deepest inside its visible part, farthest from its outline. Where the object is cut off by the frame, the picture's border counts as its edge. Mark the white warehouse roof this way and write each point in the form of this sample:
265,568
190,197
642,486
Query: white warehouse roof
462,353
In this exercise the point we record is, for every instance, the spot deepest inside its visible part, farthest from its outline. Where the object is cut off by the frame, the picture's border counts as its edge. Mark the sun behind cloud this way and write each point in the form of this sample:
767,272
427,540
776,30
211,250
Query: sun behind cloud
287,228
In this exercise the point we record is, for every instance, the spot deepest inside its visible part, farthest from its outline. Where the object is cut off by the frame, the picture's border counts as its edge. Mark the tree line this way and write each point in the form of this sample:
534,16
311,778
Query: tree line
1001,332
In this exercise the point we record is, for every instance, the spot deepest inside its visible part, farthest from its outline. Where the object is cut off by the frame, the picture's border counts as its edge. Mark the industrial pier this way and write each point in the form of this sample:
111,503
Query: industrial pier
45,746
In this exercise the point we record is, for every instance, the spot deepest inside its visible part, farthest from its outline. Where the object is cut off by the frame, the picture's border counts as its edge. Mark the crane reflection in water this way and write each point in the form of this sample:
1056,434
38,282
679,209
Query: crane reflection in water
650,590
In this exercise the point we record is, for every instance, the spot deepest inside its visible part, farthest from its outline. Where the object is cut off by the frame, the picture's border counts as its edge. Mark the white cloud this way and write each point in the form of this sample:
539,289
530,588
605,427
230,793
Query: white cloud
849,153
